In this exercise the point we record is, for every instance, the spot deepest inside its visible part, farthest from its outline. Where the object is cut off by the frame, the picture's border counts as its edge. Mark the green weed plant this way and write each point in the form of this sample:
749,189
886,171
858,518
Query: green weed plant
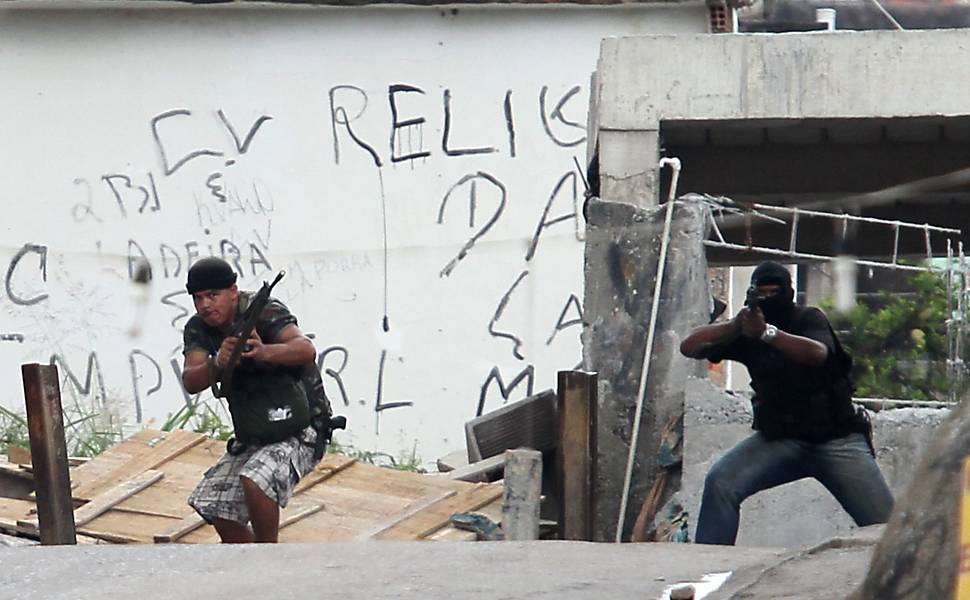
899,342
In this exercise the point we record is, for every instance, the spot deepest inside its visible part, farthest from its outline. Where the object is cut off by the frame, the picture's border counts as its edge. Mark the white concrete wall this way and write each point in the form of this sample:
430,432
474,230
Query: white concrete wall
180,132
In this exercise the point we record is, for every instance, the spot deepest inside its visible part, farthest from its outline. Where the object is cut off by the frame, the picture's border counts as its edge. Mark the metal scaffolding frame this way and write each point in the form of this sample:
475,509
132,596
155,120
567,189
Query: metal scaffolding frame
957,288
725,205
956,270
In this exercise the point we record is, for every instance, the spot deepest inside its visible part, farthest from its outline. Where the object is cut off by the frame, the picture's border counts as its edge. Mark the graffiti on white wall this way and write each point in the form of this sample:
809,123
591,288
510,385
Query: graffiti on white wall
425,207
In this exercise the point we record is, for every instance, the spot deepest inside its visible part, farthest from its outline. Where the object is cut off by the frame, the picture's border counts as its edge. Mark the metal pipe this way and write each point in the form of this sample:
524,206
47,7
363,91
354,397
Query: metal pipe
794,232
887,15
896,242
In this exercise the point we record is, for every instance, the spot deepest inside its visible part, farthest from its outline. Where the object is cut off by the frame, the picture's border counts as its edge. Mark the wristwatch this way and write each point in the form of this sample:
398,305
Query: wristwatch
769,334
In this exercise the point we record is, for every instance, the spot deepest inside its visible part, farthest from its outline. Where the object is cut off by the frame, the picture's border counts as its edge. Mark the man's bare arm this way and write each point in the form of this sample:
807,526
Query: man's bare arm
798,349
291,348
801,350
195,372
705,337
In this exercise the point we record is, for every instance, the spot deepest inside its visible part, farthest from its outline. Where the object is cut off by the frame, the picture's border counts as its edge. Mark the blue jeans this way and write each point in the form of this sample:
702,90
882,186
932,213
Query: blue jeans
843,465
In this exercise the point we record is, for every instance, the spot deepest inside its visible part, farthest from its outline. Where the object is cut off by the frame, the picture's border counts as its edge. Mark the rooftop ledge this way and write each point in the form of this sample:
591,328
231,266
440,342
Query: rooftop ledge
134,4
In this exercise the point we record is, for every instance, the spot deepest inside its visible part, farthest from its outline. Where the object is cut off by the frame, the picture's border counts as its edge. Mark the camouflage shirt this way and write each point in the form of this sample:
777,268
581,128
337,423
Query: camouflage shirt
268,402
197,336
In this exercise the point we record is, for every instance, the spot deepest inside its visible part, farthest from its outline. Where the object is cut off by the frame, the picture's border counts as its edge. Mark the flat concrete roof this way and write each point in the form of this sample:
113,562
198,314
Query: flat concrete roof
873,123
133,4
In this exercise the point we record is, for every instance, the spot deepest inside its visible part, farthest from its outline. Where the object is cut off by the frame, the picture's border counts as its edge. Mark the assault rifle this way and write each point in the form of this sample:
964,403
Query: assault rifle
221,382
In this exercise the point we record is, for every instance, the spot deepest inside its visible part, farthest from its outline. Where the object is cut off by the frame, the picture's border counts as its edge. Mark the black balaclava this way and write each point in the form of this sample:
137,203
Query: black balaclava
779,308
210,274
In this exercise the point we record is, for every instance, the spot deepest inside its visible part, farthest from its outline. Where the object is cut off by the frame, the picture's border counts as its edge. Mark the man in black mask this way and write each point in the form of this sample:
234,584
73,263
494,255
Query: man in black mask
804,420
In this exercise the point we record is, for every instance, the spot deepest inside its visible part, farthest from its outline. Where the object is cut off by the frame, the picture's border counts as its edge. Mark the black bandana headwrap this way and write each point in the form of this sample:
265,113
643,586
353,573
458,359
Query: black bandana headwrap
210,274
779,308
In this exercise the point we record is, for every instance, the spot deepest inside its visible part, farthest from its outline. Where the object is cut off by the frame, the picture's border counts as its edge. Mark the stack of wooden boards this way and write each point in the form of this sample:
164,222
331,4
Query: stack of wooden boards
135,492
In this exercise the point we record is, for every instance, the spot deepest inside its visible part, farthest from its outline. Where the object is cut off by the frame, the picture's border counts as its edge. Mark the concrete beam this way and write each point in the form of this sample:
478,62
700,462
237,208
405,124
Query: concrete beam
129,4
813,168
629,166
645,80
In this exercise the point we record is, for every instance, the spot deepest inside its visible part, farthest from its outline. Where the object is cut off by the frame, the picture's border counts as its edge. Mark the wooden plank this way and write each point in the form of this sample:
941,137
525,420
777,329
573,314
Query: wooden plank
327,468
202,535
18,455
294,513
102,503
577,451
408,512
670,438
13,510
439,515
151,513
45,427
106,501
450,533
114,457
297,511
165,447
322,528
126,528
12,541
390,482
477,471
168,496
366,505
179,529
16,471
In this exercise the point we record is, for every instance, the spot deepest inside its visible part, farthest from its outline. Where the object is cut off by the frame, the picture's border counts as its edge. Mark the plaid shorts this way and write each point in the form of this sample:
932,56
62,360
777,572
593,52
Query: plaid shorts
274,468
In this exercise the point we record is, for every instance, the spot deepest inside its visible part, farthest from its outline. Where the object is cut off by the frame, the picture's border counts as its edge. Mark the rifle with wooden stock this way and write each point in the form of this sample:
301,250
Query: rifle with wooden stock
221,380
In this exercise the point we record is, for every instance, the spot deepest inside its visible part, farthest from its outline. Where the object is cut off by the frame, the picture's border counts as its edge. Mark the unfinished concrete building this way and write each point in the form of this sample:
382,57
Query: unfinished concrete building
871,123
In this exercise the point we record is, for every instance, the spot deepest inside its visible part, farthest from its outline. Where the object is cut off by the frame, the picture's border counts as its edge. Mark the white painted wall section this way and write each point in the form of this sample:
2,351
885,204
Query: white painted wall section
409,164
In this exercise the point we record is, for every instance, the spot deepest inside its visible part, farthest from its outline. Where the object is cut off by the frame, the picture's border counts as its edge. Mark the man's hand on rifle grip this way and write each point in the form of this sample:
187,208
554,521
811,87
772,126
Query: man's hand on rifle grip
255,349
225,351
752,322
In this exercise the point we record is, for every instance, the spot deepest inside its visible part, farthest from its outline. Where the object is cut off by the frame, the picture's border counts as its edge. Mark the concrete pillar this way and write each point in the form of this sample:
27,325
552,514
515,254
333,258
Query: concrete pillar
737,374
628,166
523,491
622,249
819,283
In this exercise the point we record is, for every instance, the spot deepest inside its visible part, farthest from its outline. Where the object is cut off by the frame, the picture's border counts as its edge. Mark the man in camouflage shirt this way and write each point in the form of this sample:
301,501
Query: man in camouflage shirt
273,444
